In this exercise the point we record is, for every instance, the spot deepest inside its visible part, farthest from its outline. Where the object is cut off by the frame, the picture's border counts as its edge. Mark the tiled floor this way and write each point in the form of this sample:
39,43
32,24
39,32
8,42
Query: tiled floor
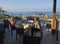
58,41
48,38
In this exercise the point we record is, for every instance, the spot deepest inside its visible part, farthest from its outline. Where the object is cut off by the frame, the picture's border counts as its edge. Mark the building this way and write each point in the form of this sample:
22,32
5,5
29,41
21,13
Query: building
24,17
43,16
30,19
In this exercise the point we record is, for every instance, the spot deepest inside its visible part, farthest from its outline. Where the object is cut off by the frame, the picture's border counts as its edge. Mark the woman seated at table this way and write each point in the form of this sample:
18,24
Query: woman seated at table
12,23
36,25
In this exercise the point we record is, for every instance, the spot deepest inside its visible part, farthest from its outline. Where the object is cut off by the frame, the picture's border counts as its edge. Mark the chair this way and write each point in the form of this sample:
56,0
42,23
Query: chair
19,30
35,30
48,26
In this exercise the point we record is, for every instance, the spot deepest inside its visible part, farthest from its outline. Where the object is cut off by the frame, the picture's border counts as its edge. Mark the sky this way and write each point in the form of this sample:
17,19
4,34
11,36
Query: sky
28,5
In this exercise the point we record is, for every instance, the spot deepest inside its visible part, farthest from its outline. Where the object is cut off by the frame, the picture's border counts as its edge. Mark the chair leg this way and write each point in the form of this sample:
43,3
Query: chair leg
48,29
34,33
41,34
11,33
16,35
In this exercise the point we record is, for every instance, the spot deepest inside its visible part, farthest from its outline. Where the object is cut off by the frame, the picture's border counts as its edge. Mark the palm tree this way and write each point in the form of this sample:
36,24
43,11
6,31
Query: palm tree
54,7
0,10
54,16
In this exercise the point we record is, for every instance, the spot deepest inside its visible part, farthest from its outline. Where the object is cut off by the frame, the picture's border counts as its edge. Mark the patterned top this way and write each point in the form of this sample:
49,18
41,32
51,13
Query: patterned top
36,24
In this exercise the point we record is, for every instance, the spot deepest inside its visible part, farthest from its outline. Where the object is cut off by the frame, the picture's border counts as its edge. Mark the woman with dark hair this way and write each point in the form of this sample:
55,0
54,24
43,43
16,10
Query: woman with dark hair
12,23
6,23
36,25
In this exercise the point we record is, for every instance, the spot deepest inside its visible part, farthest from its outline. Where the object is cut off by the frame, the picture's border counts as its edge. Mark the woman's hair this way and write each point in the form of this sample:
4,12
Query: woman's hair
36,18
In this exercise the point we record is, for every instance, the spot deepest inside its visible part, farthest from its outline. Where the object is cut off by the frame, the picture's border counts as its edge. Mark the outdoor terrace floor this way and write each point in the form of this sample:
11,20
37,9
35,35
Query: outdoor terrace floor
47,38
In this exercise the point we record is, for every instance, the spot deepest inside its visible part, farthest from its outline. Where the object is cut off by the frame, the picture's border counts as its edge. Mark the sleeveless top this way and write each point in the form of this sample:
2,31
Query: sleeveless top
36,25
12,23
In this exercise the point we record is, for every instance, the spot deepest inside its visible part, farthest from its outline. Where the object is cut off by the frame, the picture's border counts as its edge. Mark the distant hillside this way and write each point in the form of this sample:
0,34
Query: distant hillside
4,15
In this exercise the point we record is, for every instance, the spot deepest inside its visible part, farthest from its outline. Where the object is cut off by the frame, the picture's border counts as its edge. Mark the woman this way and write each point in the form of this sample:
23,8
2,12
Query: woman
36,25
12,23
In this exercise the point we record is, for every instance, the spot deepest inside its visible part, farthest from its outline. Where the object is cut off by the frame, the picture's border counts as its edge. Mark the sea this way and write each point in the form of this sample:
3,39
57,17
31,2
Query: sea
31,13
